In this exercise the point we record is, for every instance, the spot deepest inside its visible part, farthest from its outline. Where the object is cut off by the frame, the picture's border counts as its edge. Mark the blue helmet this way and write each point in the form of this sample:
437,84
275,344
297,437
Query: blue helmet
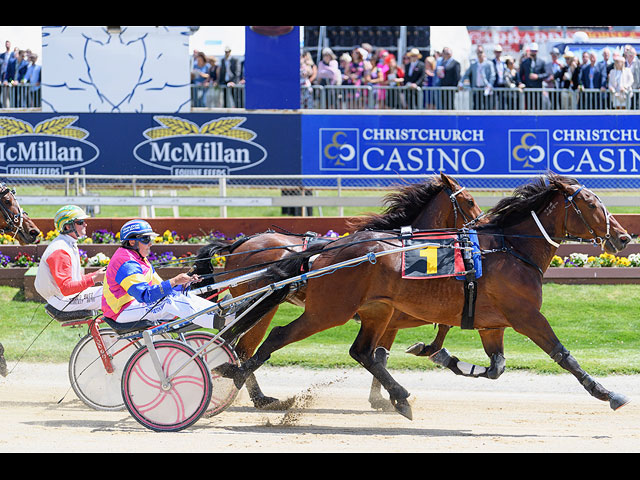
135,229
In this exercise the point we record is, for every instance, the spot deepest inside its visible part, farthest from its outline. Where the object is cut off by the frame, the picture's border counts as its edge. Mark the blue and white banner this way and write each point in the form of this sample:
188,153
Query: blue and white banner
150,144
400,145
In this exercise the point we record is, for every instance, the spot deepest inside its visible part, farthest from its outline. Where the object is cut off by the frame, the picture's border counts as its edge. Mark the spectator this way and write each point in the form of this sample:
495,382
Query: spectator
16,71
569,80
430,75
532,72
5,57
32,77
633,63
345,68
212,96
414,77
500,68
510,98
308,72
449,74
605,66
481,77
552,81
328,70
620,82
228,76
378,77
200,79
395,78
591,79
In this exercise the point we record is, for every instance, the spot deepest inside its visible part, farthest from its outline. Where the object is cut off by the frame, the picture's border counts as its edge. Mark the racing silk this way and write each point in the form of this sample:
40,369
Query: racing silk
59,271
130,276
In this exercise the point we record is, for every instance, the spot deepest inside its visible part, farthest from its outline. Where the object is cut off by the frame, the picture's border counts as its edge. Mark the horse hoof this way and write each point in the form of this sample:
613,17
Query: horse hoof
270,403
403,407
416,349
617,400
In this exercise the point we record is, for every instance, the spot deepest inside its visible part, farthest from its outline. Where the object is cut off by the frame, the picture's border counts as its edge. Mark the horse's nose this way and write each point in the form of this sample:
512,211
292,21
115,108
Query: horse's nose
625,239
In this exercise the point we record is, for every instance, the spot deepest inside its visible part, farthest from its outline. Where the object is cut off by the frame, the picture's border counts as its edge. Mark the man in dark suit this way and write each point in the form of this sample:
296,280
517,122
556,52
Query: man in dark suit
228,76
449,74
532,72
591,78
414,77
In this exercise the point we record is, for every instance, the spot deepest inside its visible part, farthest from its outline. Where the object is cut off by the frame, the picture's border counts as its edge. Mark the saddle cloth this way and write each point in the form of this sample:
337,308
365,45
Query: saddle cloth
439,258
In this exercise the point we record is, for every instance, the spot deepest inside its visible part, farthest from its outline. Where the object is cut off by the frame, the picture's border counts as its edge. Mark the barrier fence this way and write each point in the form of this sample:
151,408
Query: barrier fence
302,195
349,97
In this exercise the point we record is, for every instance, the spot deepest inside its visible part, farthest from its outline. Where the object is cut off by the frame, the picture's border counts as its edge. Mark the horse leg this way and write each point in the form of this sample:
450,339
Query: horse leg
366,352
3,363
245,348
537,328
376,400
419,349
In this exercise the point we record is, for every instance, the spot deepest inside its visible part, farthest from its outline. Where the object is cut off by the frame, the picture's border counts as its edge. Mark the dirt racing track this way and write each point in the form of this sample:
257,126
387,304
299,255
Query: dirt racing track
519,412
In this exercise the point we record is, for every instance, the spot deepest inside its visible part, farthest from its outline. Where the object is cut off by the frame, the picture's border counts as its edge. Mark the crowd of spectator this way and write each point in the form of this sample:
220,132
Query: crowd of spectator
207,71
550,83
20,77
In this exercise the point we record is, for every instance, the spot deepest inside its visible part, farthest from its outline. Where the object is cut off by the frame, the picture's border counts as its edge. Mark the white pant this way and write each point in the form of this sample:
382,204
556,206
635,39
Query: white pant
174,305
89,299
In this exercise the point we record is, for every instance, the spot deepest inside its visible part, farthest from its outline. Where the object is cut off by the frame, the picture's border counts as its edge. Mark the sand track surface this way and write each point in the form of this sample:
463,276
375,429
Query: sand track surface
519,412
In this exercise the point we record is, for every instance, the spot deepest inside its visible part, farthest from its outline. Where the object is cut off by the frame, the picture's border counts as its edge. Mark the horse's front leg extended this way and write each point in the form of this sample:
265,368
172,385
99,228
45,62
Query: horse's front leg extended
535,326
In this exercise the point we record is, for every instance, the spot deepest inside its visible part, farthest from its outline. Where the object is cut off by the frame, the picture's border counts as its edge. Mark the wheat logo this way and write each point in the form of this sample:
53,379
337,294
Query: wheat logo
219,146
52,146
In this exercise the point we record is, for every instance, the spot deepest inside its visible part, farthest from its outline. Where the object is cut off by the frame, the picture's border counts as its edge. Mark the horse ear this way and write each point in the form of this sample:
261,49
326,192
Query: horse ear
448,182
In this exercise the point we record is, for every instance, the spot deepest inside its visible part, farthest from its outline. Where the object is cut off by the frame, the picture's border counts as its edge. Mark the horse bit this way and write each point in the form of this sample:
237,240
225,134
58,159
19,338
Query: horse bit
13,221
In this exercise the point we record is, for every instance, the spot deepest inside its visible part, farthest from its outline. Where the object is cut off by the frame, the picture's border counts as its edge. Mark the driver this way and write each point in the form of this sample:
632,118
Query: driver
134,291
59,279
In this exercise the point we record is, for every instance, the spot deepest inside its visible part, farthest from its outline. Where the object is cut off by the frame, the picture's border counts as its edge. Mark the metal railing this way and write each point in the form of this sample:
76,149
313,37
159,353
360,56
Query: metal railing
21,96
302,193
370,97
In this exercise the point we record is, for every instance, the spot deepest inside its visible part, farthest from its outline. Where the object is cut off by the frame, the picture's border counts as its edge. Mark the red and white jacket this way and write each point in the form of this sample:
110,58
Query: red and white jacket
59,272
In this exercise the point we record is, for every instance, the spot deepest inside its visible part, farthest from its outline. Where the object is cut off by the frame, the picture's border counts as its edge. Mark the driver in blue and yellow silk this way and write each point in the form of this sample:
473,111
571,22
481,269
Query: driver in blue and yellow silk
133,290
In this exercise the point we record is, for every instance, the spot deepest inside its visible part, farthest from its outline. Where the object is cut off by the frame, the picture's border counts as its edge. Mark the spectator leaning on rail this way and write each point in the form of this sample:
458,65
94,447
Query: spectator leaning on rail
481,76
59,279
134,291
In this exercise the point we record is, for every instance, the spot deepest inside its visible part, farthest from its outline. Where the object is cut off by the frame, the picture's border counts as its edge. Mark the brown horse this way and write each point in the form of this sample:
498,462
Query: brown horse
517,244
438,203
17,224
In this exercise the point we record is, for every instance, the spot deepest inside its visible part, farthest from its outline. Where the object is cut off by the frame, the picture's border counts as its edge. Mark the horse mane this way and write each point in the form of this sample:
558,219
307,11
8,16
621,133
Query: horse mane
525,198
401,207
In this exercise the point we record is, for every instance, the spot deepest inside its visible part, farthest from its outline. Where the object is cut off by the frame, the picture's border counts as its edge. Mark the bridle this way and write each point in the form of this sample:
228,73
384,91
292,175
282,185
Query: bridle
13,221
569,201
456,207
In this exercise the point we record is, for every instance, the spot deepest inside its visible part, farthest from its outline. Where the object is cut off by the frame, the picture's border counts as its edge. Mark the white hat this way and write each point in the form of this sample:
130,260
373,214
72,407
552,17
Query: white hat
497,48
533,47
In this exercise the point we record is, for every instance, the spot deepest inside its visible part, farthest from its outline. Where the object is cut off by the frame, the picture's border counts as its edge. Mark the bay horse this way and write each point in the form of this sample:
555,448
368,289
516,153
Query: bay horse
17,224
518,241
438,203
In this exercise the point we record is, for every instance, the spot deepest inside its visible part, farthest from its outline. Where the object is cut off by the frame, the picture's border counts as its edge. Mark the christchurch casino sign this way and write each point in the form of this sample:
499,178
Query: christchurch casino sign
217,147
50,147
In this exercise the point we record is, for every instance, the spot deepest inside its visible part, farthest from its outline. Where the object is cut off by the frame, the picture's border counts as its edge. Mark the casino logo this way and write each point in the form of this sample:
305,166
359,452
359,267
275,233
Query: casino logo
51,147
339,149
528,151
219,147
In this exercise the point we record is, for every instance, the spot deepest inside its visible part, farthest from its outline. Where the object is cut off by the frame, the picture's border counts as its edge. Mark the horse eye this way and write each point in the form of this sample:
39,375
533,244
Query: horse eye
471,203
592,205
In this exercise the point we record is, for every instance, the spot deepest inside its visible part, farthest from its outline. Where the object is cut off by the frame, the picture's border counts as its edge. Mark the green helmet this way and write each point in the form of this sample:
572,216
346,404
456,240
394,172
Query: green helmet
67,215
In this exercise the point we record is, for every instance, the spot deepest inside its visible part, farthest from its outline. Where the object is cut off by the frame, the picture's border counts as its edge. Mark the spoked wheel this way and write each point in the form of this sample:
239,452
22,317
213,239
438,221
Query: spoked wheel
179,404
90,380
224,390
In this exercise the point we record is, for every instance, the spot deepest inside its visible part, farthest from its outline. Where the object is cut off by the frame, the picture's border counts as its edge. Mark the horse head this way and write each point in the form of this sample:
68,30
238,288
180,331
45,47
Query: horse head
587,217
464,210
16,222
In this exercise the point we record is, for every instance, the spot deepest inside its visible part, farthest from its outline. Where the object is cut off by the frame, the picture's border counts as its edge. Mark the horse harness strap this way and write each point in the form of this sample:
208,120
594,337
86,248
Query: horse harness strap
470,284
